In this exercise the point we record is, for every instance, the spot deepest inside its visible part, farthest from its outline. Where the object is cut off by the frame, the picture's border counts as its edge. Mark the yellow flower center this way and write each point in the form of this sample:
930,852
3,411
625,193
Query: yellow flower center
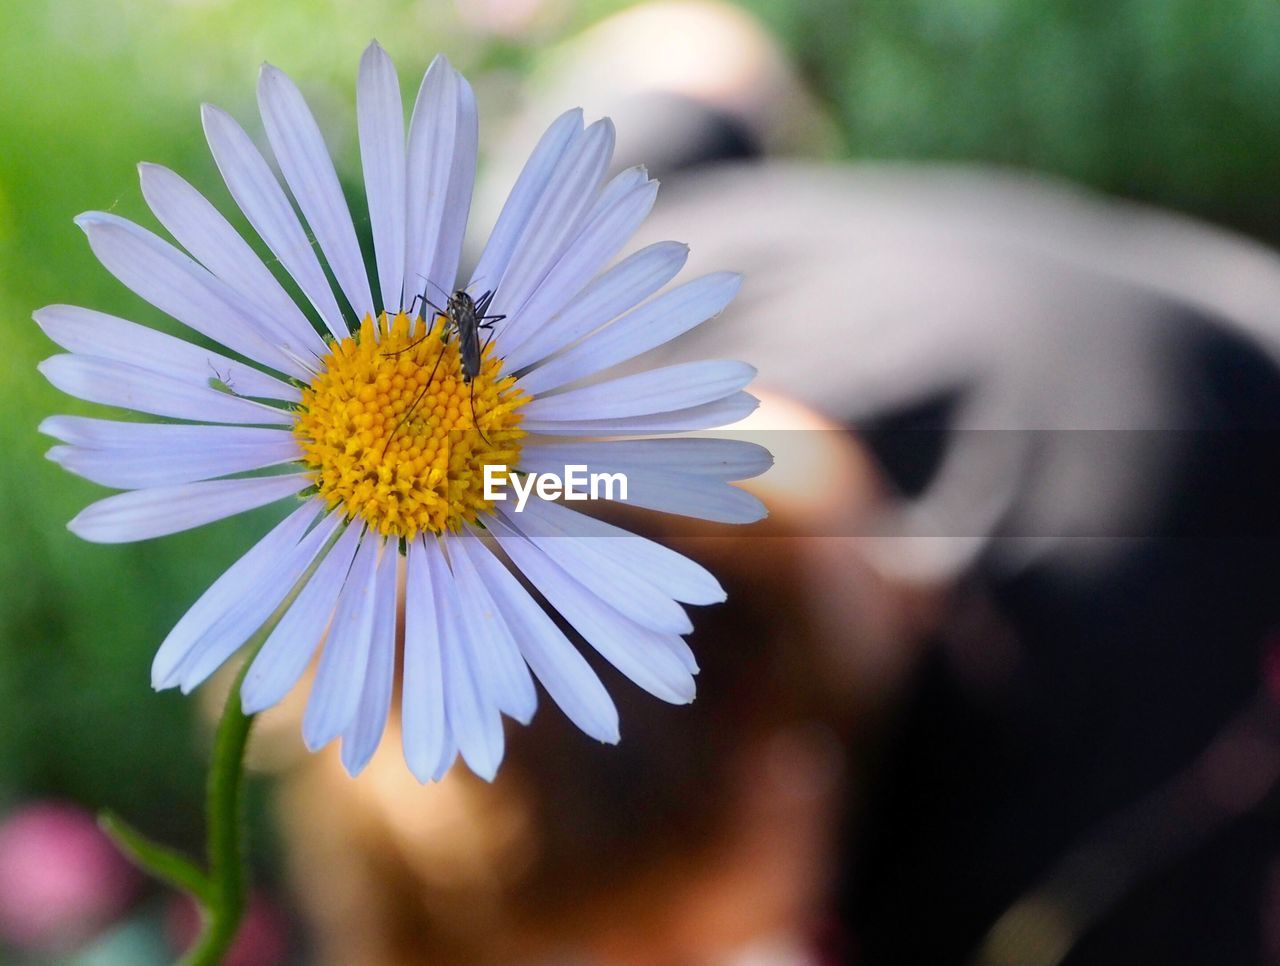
393,434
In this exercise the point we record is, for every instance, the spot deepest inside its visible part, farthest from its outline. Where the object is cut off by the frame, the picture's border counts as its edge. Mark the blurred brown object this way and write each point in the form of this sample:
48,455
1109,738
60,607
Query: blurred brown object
707,835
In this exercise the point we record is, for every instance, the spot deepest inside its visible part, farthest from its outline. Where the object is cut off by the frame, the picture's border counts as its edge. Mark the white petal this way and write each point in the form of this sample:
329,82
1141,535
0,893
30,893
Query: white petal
339,680
492,650
693,496
202,230
365,732
255,609
618,187
567,198
722,412
299,147
422,701
524,198
288,649
634,650
142,514
682,651
380,113
432,133
112,435
721,459
224,592
675,575
89,333
180,287
564,672
662,390
142,390
628,283
457,206
448,755
263,201
194,458
629,594
599,241
669,315
474,719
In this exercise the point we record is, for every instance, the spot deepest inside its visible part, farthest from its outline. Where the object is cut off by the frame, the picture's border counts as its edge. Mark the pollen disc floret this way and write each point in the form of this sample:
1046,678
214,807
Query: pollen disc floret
388,431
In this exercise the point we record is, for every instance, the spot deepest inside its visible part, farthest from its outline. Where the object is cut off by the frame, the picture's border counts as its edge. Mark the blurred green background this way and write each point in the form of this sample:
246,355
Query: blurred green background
1169,101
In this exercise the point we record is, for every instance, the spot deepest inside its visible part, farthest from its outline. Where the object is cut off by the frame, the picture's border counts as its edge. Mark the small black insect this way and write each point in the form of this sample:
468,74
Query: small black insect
466,316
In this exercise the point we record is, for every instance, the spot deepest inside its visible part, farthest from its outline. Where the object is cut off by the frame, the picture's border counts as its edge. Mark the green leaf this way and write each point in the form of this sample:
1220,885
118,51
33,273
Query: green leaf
166,864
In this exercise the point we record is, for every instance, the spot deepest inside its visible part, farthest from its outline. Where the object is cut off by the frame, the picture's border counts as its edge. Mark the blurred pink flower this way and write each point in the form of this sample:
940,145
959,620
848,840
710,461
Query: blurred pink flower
61,878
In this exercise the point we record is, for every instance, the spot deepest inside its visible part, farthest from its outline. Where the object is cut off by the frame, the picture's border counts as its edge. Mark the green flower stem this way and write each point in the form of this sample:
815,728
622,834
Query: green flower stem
222,891
228,874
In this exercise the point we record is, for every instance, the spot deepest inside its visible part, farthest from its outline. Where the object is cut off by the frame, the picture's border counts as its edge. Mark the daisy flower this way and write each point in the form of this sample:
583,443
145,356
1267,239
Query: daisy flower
378,416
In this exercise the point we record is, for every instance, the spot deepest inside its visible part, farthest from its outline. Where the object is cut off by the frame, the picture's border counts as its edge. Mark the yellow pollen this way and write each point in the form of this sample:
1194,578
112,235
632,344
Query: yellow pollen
404,460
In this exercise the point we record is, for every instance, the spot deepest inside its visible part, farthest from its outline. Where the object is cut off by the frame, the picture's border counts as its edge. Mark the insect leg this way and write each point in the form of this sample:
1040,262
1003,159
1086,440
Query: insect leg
417,402
427,282
474,421
444,337
413,307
